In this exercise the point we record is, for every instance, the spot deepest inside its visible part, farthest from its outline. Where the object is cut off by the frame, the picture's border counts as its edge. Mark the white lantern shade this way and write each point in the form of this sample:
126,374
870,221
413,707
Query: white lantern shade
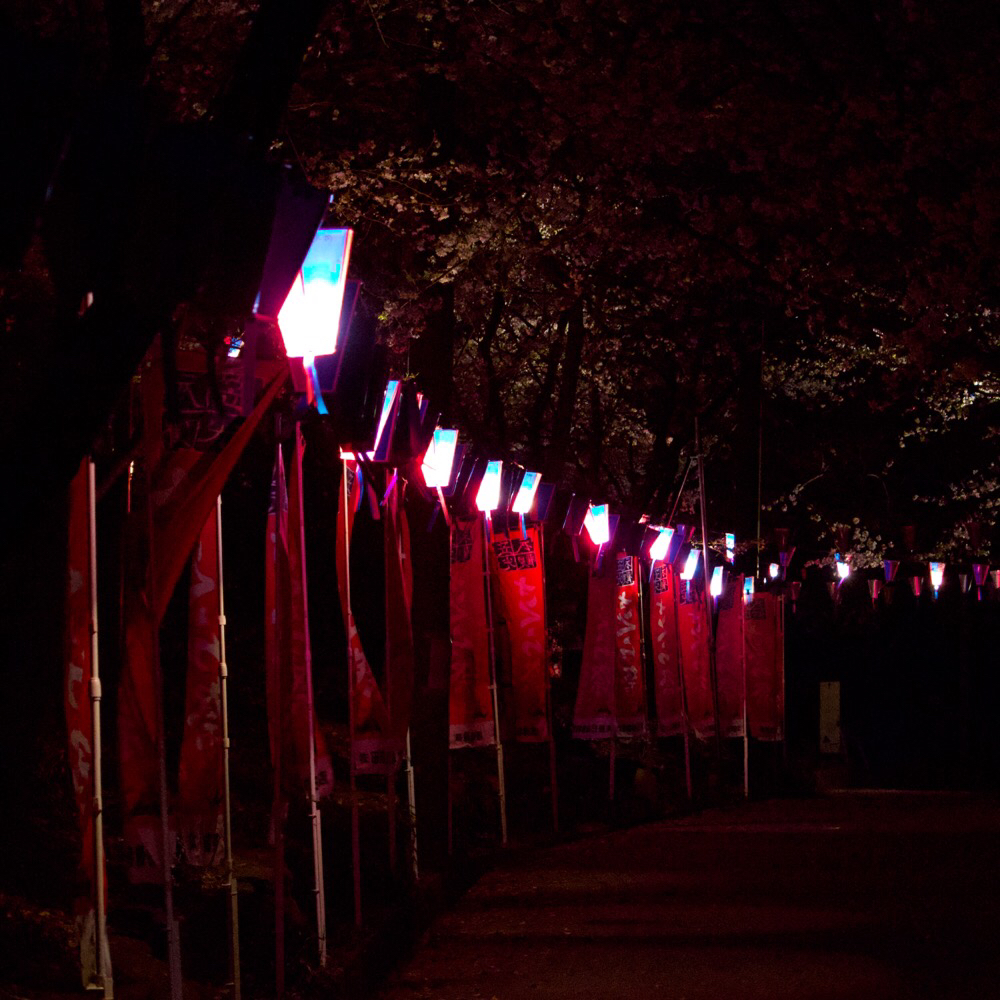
309,319
597,523
488,497
715,587
937,575
661,544
439,458
690,565
774,571
526,493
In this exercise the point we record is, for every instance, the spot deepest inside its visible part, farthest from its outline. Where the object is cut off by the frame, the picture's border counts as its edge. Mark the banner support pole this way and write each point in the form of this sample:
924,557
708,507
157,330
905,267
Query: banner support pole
411,807
553,772
746,728
345,499
105,981
234,917
501,789
314,813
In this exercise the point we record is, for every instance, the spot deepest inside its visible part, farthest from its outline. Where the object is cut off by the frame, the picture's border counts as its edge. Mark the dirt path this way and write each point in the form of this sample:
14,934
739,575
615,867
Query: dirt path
861,896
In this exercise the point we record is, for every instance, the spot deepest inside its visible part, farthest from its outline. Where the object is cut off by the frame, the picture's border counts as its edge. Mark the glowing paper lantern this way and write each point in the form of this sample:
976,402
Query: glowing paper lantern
690,565
661,544
843,569
774,571
439,458
730,546
526,493
890,567
980,572
597,524
309,319
748,587
715,586
488,497
937,576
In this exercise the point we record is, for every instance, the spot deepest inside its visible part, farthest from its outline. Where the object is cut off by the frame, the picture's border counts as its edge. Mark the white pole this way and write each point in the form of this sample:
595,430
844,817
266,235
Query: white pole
411,802
104,977
501,790
746,728
234,917
314,813
345,497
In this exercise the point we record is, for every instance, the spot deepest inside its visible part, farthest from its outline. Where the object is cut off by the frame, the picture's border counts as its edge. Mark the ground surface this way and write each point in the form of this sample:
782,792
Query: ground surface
852,895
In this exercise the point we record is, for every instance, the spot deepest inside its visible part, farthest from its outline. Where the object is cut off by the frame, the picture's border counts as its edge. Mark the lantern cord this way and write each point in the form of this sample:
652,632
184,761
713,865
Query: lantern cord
680,492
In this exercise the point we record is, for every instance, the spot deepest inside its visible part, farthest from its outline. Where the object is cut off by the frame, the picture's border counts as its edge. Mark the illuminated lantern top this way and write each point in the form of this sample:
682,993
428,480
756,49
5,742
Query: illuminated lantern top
748,587
309,320
730,546
439,458
843,569
597,524
661,544
774,571
691,565
488,497
715,587
937,575
526,493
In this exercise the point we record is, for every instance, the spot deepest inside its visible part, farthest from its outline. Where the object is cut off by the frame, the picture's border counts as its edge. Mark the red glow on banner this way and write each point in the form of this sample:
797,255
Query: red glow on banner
594,713
765,644
667,681
729,658
516,562
694,641
630,688
470,710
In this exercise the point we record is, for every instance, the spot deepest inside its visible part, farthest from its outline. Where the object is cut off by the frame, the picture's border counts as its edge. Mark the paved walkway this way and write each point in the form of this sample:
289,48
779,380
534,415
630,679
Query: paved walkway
855,896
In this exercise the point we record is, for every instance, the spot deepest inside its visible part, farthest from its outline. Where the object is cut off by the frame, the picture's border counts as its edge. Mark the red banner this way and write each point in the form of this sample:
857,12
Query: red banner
594,712
76,702
371,752
765,639
729,658
516,562
630,685
287,652
470,709
199,784
692,622
187,461
669,690
399,656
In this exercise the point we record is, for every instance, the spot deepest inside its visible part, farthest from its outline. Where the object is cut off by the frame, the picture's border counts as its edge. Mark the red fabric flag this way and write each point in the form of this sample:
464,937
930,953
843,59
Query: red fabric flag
399,656
630,687
692,623
187,464
76,702
516,563
289,657
370,749
765,641
594,712
729,658
470,709
199,784
669,690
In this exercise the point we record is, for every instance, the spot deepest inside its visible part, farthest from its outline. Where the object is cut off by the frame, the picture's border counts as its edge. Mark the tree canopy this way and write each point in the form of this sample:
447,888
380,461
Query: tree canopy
583,225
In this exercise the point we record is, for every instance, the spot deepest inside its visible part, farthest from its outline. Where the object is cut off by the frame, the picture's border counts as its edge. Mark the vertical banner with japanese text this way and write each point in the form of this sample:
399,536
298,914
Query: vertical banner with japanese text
630,688
520,585
199,783
76,703
470,709
696,660
729,658
669,692
594,712
765,667
370,749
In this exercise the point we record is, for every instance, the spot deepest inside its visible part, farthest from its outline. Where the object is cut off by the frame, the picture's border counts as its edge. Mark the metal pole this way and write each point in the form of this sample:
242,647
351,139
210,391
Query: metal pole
314,813
105,980
278,807
390,779
173,931
501,790
411,803
746,730
708,597
345,498
234,917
